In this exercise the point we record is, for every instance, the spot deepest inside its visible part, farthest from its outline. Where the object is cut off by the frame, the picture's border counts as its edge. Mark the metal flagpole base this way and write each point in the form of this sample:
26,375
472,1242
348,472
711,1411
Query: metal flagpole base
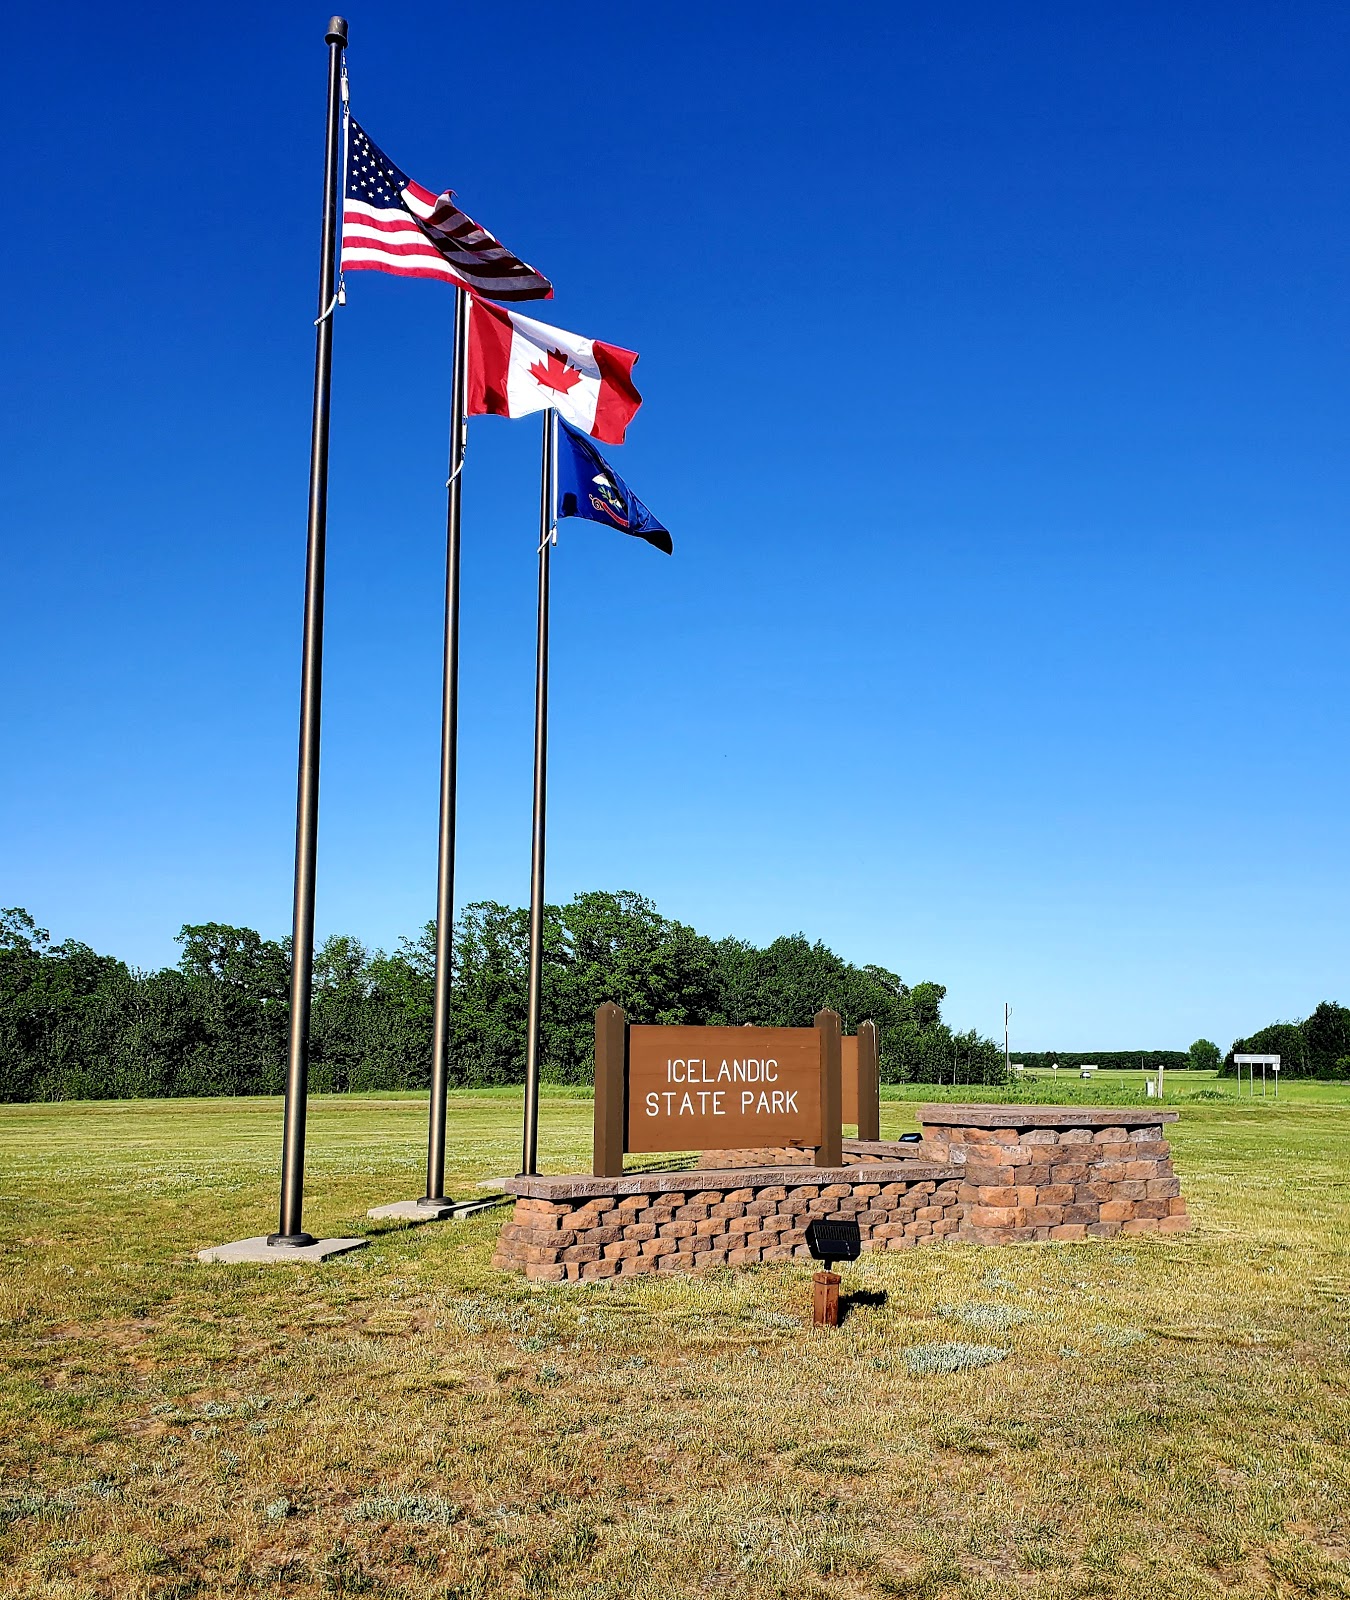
299,1240
269,1249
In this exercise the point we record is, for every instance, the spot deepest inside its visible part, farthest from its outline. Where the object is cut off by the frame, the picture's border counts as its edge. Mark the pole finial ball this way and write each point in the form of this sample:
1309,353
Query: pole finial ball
337,31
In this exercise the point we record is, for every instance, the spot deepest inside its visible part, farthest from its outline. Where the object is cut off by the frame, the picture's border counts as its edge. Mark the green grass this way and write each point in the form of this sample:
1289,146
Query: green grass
1147,1419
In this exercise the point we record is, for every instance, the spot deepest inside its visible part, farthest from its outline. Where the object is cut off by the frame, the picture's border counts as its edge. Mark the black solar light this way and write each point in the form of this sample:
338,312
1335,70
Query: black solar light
830,1239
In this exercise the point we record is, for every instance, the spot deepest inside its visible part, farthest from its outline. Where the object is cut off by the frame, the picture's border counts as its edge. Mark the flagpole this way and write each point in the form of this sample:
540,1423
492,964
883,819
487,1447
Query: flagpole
530,1143
290,1230
445,859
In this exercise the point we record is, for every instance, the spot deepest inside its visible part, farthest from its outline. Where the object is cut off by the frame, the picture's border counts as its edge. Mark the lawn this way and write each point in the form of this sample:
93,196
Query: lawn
1159,1419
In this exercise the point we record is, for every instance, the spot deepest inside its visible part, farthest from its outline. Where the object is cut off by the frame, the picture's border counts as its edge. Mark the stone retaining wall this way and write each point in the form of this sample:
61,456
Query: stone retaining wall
857,1152
577,1228
1057,1172
983,1174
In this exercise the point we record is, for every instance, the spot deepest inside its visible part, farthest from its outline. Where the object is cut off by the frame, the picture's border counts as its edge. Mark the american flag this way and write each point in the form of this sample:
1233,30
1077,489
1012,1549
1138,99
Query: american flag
390,224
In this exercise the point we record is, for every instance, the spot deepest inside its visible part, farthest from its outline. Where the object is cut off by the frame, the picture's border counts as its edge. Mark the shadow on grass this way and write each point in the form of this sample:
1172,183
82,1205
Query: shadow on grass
848,1303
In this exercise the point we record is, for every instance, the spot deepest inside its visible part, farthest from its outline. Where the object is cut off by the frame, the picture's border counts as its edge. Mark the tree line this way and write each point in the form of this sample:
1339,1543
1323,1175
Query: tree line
1202,1054
1317,1047
75,1024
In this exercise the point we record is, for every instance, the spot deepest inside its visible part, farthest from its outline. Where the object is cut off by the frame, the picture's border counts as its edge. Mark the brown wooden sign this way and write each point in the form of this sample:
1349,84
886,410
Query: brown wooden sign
861,1080
687,1088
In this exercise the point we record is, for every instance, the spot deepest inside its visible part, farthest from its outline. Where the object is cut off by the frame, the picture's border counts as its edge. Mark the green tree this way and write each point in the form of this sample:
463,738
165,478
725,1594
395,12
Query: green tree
1205,1056
1327,1036
1283,1039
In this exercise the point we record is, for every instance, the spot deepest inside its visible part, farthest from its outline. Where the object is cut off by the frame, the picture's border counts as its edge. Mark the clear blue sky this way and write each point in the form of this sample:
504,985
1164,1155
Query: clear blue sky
995,375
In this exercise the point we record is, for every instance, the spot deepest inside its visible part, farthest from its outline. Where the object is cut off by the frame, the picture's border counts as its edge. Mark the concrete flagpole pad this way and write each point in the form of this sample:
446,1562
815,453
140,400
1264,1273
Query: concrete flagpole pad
259,1250
414,1211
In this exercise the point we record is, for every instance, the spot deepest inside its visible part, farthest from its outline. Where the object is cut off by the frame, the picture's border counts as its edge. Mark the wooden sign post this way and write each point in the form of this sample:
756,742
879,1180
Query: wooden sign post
861,1080
688,1088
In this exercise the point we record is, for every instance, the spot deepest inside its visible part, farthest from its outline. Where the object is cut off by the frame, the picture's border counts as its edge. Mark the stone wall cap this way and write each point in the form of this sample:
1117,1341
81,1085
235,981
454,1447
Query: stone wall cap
1009,1116
583,1186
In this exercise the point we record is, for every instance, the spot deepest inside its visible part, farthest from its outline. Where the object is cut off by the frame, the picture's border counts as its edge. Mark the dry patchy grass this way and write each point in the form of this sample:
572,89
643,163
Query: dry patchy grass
1155,1418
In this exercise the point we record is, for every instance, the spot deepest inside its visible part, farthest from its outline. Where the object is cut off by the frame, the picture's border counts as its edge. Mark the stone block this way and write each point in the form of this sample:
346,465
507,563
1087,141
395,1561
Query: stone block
1045,1216
988,1195
604,1235
1088,1213
1156,1209
1069,1230
1026,1177
622,1249
1103,1230
1075,1136
692,1213
1117,1210
599,1269
1176,1207
711,1228
1056,1194
543,1272
982,1235
1174,1224
1140,1225
997,1216
657,1247
1069,1172
1163,1188
679,1230
1130,1189
928,1214
727,1209
644,1230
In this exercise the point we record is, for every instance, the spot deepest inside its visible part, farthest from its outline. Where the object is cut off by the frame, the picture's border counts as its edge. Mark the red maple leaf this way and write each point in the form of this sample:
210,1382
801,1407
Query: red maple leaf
556,374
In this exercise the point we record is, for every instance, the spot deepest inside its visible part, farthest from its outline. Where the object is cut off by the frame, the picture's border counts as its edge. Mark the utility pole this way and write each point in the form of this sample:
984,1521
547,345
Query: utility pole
1007,1013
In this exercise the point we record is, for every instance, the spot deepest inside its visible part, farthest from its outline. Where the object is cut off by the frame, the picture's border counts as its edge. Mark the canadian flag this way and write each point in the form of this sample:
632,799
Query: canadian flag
518,365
